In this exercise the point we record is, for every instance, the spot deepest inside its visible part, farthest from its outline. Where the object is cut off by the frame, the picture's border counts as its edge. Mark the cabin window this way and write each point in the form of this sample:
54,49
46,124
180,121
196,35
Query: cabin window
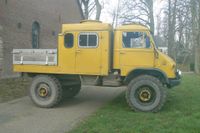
88,40
135,40
69,40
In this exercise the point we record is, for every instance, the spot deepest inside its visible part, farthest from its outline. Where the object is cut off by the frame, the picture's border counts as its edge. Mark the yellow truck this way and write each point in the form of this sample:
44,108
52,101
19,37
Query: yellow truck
93,52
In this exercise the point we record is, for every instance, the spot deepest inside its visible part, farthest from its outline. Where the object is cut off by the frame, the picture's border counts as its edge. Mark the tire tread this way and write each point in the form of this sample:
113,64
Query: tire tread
153,79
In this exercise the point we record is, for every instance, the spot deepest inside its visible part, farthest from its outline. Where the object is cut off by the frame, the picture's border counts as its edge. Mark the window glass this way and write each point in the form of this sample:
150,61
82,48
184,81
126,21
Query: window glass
88,40
83,40
69,40
135,40
92,40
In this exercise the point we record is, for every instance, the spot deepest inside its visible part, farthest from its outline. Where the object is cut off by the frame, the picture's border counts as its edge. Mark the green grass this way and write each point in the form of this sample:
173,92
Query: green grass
181,114
13,88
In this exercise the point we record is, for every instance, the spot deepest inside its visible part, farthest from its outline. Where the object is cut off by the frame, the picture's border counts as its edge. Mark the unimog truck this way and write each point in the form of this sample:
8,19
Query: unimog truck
92,52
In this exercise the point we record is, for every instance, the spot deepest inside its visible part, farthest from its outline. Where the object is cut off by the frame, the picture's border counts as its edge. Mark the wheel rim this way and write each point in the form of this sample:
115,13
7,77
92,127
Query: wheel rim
145,95
43,91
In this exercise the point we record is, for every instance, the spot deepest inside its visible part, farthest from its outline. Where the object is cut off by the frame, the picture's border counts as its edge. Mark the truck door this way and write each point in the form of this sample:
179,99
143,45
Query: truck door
88,53
67,52
136,51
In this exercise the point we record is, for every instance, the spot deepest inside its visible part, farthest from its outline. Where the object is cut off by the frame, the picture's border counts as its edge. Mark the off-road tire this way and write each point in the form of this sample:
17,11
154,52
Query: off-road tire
156,86
71,91
54,87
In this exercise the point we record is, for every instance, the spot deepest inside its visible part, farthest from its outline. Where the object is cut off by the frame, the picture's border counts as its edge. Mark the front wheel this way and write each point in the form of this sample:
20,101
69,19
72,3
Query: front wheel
146,93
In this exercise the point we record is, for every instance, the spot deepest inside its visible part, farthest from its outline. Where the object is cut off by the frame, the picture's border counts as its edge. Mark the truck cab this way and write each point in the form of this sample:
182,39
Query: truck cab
94,51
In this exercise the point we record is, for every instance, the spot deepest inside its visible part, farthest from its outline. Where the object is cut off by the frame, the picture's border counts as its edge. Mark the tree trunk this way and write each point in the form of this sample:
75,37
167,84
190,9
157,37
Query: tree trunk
86,8
196,60
151,16
171,28
196,34
98,9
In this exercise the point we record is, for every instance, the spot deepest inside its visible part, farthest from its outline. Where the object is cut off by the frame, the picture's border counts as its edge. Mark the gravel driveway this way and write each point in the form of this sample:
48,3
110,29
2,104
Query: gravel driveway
21,116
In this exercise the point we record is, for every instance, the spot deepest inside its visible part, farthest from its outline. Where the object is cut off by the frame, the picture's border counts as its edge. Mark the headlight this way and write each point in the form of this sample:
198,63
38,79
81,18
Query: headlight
179,72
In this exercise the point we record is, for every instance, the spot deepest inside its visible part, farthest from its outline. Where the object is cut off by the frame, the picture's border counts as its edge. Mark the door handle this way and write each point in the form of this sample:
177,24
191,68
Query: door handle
78,51
121,52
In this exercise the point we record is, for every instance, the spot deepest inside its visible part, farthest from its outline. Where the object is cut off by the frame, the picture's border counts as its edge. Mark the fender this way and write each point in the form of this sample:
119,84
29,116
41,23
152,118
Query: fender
147,71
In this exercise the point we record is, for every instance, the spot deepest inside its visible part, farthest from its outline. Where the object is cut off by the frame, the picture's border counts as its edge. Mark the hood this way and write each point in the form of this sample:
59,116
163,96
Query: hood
166,60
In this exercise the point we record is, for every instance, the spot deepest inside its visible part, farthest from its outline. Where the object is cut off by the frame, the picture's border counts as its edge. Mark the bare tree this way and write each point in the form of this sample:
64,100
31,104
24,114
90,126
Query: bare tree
90,7
171,13
115,13
195,11
182,30
138,11
98,9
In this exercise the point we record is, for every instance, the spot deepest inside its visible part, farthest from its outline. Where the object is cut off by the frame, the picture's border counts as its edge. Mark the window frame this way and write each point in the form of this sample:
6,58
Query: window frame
64,40
88,33
123,46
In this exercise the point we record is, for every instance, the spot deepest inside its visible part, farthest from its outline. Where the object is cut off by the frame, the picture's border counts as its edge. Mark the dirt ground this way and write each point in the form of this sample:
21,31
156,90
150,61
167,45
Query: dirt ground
13,88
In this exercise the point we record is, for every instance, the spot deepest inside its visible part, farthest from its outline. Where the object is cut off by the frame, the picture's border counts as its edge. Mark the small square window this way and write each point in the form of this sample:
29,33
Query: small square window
83,40
69,40
88,40
92,40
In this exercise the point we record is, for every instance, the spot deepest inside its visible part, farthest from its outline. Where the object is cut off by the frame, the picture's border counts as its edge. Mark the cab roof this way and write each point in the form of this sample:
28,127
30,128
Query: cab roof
93,25
86,25
135,26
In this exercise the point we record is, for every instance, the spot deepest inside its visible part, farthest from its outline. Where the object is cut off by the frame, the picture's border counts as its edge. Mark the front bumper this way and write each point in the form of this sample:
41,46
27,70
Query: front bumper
175,81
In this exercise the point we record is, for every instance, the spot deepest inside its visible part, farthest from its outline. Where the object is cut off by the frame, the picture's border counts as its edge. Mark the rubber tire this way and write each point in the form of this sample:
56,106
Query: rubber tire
71,91
55,87
158,87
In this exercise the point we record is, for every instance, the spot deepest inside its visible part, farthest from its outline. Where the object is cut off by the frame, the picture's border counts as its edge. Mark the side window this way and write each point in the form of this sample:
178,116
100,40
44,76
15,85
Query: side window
92,41
69,40
88,40
83,40
135,40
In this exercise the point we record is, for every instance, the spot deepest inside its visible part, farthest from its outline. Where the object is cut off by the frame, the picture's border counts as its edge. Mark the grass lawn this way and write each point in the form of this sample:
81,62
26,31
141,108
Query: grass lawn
13,88
181,114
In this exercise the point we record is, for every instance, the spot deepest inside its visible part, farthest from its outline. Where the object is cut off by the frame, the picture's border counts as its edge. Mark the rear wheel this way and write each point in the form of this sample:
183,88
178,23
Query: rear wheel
45,91
146,93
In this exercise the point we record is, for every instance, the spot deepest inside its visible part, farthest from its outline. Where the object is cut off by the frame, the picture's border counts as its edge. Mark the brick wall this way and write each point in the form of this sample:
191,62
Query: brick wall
17,17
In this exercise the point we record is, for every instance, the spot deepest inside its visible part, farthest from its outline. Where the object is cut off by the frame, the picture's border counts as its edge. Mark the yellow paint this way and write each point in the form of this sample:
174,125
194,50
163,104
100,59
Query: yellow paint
129,59
97,61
